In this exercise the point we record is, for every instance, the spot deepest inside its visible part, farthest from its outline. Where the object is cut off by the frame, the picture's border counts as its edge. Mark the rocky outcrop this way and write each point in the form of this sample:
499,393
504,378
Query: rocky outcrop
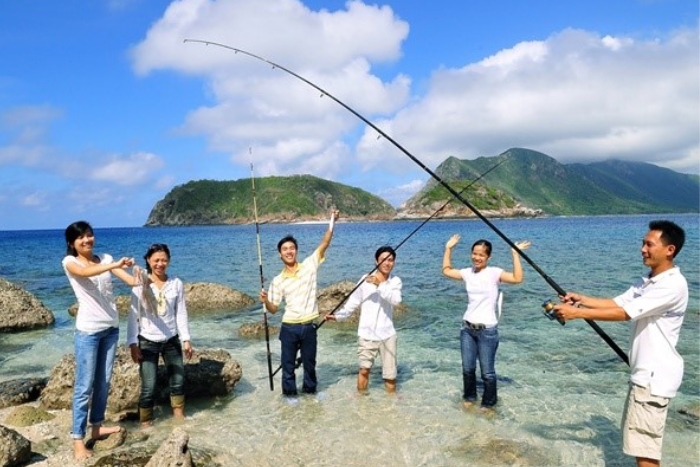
20,310
27,415
210,372
20,391
15,449
257,330
174,452
200,297
457,210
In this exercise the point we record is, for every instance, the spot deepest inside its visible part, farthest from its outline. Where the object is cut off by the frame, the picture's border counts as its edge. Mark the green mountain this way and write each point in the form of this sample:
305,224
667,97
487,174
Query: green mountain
536,180
279,199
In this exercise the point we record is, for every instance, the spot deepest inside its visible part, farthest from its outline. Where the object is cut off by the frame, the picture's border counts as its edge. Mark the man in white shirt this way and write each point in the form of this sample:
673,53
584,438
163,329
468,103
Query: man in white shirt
656,304
376,297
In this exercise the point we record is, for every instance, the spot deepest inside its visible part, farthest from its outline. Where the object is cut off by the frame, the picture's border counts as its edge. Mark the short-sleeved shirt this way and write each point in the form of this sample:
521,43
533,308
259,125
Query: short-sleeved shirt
96,308
482,291
656,305
298,290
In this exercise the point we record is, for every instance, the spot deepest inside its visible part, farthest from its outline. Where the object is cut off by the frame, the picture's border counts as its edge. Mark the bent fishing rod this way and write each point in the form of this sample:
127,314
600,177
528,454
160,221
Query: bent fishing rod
425,221
262,282
560,291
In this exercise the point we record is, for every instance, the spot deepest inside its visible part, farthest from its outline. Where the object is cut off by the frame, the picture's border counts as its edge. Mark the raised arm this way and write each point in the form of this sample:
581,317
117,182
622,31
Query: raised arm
328,236
447,269
516,275
116,267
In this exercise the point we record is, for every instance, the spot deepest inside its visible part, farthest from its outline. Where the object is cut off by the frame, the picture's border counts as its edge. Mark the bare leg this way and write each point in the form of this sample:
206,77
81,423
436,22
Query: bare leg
644,462
363,380
80,452
178,405
390,385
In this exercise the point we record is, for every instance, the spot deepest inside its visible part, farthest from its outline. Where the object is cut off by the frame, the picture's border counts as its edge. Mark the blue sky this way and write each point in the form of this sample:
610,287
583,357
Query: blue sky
104,109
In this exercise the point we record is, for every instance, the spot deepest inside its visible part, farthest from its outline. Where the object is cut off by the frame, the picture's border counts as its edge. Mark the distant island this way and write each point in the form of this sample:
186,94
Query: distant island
527,183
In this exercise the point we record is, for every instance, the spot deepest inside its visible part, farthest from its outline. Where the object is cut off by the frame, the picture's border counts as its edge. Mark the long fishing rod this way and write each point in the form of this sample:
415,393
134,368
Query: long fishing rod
262,280
560,291
425,221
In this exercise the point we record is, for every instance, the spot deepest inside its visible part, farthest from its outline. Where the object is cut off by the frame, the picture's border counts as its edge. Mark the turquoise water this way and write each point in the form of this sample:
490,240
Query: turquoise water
561,389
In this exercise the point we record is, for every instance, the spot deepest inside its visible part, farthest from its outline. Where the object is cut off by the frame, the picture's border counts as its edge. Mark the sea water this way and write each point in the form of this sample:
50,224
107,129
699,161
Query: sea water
561,388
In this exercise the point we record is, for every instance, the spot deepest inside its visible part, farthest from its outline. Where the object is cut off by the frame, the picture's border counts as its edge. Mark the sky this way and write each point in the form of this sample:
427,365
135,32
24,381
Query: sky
104,107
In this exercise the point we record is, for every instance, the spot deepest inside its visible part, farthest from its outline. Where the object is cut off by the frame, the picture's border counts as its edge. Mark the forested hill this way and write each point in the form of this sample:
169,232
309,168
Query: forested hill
279,199
538,181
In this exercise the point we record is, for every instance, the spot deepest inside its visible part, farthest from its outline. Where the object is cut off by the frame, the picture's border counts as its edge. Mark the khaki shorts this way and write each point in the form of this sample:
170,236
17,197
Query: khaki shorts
367,352
643,423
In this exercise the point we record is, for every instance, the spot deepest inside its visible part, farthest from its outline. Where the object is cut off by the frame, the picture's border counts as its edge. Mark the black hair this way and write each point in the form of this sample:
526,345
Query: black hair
671,234
485,243
155,248
384,249
74,232
286,239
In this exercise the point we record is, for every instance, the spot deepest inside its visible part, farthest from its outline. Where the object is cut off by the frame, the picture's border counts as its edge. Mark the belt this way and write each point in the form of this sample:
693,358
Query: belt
303,323
478,327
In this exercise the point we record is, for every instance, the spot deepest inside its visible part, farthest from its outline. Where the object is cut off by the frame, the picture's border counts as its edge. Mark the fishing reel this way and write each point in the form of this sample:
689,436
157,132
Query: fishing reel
548,310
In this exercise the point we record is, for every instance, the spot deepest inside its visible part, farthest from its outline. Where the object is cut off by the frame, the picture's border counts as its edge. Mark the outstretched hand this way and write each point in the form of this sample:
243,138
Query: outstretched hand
524,245
453,241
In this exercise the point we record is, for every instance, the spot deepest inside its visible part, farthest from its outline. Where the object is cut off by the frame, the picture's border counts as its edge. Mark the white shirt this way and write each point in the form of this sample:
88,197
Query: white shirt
482,292
96,308
657,307
152,325
376,308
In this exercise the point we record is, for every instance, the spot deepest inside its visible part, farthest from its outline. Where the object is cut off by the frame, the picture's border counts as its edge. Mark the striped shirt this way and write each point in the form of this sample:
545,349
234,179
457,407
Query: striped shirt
298,290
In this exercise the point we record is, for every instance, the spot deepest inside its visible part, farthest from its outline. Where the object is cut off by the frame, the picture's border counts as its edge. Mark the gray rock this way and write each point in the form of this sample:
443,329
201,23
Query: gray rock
20,391
174,452
20,310
256,330
210,372
15,449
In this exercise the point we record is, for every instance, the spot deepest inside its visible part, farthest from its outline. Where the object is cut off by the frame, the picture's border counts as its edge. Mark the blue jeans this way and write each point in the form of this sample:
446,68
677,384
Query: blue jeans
171,350
481,344
298,337
94,358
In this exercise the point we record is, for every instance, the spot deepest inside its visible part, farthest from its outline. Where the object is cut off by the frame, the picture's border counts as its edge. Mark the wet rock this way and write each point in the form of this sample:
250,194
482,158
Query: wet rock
20,391
15,449
200,297
21,311
174,452
331,296
27,415
107,444
210,372
256,330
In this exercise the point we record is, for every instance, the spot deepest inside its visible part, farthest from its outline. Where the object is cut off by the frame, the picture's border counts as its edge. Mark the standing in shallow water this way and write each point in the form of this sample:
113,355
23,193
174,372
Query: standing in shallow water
158,326
479,334
376,298
297,285
96,331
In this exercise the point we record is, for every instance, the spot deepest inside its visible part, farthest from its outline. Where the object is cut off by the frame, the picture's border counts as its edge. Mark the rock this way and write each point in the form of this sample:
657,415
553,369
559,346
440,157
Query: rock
15,449
21,310
199,297
256,330
207,296
210,372
27,415
174,452
20,391
692,410
329,298
107,444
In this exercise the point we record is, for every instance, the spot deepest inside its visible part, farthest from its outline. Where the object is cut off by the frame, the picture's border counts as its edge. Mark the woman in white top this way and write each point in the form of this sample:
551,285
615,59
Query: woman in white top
158,325
97,330
479,333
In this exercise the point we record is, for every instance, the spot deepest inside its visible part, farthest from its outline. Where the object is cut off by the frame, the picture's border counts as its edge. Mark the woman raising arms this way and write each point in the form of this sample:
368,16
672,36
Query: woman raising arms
479,333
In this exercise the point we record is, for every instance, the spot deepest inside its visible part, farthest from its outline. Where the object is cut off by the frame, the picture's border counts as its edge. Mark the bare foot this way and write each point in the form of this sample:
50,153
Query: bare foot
102,432
467,405
179,412
80,452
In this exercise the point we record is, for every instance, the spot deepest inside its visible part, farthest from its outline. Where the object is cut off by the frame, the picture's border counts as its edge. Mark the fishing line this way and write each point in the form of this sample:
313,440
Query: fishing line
560,291
262,278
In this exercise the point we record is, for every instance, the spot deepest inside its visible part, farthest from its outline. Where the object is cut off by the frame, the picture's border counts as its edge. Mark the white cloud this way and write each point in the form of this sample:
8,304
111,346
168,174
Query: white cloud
575,96
397,195
129,171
